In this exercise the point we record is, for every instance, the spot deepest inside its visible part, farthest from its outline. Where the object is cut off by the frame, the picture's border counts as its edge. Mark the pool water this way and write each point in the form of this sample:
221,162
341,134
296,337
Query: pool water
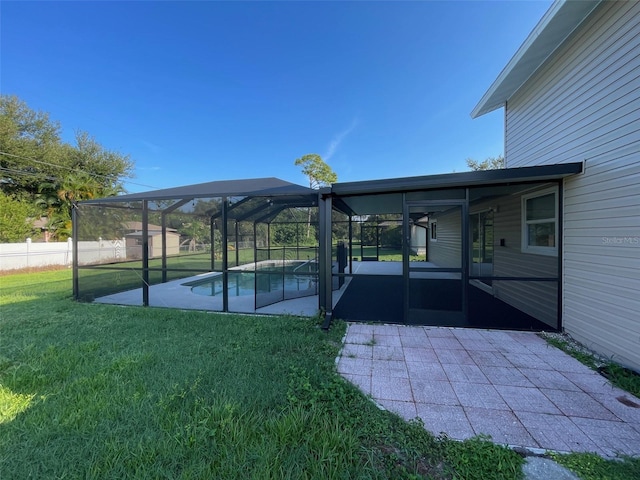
298,276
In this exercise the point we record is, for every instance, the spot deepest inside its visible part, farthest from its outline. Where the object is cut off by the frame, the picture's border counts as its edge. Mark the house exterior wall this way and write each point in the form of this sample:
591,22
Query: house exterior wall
538,299
445,251
418,240
584,104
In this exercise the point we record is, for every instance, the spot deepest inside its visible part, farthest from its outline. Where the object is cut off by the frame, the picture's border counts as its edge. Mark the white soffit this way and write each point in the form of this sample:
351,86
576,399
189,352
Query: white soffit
562,18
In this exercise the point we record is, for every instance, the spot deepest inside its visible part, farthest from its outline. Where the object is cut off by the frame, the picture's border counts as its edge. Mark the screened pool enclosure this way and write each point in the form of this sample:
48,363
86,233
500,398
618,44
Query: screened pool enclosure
233,246
480,249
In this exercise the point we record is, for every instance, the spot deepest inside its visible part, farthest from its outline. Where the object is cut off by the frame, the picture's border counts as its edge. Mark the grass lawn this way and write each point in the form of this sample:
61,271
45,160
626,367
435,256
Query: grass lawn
100,391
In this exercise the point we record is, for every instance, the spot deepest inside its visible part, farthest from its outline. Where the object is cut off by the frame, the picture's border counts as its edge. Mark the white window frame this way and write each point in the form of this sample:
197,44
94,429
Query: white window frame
539,250
433,231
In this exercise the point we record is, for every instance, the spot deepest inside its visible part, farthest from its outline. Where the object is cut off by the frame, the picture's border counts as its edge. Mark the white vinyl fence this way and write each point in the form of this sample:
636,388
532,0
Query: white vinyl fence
30,254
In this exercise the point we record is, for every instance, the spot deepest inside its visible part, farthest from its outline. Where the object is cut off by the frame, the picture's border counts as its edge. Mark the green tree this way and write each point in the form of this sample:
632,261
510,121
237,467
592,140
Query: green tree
14,215
37,168
319,174
491,163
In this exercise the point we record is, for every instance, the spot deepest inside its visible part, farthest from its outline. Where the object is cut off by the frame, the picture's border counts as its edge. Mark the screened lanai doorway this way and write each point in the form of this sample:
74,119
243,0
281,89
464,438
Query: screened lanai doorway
433,262
474,253
423,284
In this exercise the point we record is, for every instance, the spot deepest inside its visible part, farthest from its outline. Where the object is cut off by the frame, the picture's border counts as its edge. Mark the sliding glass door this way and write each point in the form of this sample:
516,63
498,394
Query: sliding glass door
481,238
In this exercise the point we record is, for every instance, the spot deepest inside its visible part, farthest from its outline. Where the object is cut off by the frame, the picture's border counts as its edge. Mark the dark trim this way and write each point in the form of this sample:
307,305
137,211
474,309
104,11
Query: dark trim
236,231
251,187
212,233
406,248
107,266
235,205
74,239
271,215
407,268
225,254
462,179
325,279
466,266
164,247
350,244
560,239
516,279
145,253
255,265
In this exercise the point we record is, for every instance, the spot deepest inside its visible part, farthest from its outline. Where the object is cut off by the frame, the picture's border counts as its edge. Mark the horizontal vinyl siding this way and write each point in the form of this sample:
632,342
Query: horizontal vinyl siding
534,298
446,252
602,260
586,99
585,105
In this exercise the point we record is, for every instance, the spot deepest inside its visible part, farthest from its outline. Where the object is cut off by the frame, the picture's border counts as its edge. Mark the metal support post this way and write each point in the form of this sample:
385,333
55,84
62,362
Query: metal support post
324,254
145,253
225,255
74,235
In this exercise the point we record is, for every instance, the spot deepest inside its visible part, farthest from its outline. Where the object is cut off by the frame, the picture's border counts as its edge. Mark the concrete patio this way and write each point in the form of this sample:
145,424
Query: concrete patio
510,385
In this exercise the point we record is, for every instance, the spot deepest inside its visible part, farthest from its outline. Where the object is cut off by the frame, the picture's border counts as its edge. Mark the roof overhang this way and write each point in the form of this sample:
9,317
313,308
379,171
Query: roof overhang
555,27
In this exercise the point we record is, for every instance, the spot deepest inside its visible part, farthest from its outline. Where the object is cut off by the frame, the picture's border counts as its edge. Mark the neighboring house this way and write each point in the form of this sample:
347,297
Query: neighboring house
572,94
42,225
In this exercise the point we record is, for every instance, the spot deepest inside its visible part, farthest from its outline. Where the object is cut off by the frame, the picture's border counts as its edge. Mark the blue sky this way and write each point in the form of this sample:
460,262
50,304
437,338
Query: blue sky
203,91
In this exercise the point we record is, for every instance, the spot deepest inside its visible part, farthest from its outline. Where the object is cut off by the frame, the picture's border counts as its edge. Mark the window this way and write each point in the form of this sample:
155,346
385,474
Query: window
540,222
434,232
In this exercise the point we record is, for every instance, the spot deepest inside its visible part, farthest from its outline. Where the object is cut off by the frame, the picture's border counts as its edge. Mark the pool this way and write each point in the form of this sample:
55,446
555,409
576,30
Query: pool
299,276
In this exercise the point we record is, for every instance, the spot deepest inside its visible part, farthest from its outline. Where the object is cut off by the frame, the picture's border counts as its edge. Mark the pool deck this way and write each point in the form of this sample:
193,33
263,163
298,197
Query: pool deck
510,385
175,294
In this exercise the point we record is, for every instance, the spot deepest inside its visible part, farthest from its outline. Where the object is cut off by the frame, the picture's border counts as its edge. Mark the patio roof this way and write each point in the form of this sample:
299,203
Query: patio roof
246,198
385,196
557,25
254,187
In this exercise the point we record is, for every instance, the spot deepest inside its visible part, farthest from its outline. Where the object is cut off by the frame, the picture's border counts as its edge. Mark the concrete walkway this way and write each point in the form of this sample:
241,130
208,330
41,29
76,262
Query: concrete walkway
510,385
